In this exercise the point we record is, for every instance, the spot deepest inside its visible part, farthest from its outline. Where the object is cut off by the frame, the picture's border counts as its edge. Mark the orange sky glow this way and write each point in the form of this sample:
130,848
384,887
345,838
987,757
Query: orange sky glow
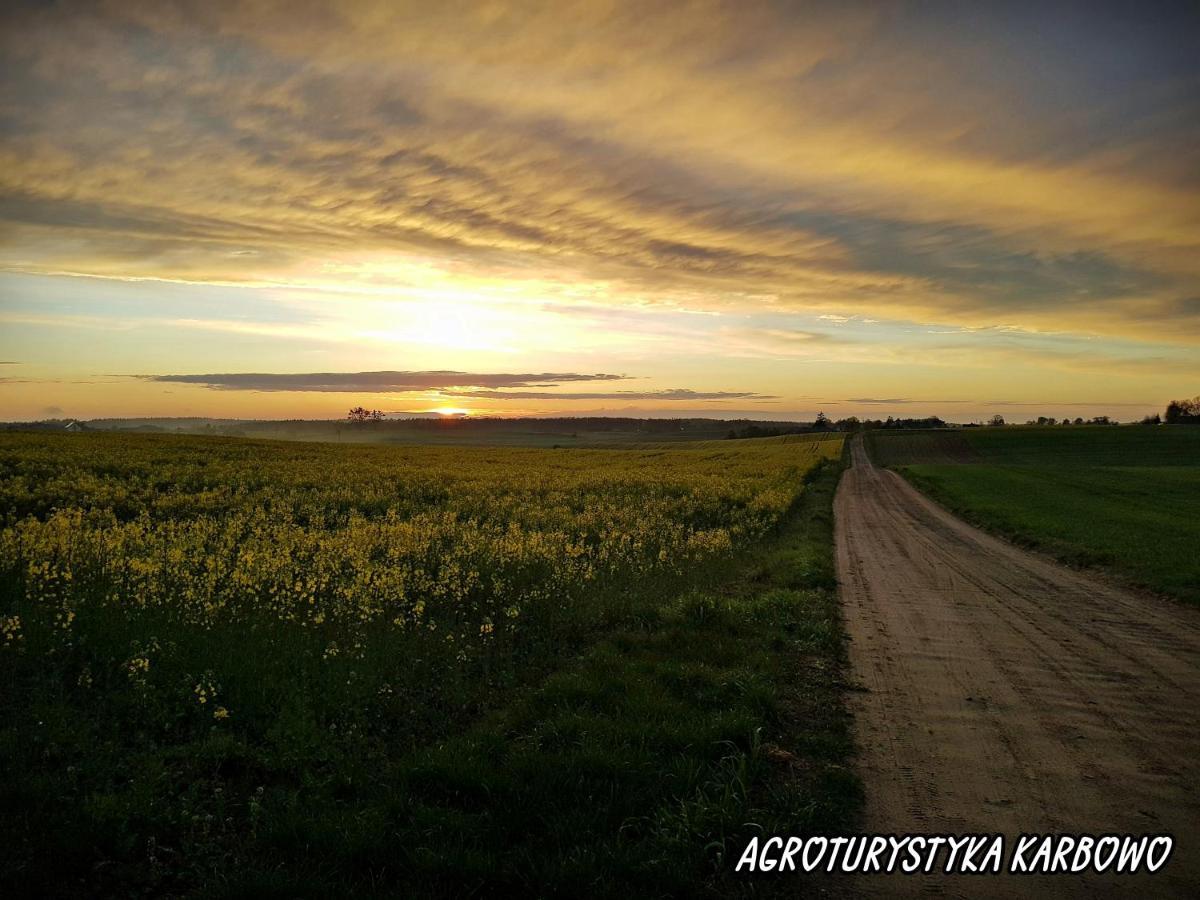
241,210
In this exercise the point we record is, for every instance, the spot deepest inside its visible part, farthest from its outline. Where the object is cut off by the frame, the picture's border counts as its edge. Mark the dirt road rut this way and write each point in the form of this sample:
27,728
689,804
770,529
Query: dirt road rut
1005,693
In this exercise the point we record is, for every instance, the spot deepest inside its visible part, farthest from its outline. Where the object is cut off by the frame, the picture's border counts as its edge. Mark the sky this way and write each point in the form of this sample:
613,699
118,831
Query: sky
285,209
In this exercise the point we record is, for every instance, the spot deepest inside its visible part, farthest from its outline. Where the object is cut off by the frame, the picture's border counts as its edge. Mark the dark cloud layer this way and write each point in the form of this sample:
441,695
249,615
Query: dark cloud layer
376,382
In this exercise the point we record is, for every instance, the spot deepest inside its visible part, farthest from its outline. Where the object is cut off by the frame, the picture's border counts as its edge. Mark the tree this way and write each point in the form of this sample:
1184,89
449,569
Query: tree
360,415
822,421
996,420
1180,412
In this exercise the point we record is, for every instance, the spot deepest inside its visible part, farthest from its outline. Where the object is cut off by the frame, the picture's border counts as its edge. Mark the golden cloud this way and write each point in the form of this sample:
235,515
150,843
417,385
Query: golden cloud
732,157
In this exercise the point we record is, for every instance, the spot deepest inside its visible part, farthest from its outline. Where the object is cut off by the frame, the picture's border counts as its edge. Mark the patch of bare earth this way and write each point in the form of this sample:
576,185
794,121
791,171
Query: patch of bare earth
1005,693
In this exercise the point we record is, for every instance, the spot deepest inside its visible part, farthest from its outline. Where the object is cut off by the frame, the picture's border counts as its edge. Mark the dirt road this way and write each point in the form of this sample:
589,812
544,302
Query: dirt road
1005,693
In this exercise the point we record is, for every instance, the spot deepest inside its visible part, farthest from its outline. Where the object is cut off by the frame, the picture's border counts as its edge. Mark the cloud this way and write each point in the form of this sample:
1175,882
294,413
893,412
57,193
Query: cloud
376,382
876,401
820,156
782,343
450,384
669,394
1070,358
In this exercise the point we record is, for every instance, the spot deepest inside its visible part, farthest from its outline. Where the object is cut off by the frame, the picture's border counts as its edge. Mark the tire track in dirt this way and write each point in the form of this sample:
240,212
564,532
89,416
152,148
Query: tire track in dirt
1005,693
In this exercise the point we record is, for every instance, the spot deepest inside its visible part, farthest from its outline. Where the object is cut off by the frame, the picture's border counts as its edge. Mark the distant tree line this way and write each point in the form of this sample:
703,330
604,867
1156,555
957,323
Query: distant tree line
360,415
1183,412
824,423
1067,420
1178,412
889,422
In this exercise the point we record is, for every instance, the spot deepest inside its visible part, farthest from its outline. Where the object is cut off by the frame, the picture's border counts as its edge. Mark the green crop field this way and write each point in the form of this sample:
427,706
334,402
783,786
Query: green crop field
1121,499
237,668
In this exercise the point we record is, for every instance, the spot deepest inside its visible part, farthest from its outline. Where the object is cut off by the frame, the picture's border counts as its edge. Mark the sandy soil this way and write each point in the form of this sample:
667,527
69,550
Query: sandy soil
1006,693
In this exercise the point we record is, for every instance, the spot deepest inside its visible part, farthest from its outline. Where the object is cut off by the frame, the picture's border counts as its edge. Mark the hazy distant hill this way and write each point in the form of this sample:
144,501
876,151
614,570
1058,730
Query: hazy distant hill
566,432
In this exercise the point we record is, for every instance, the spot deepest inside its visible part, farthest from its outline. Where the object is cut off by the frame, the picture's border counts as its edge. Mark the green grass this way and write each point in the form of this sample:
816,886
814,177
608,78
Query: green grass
637,768
1120,499
1073,445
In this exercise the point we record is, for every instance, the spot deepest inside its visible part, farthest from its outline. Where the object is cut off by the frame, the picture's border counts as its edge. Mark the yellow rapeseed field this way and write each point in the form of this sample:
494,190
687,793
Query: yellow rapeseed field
218,650
466,542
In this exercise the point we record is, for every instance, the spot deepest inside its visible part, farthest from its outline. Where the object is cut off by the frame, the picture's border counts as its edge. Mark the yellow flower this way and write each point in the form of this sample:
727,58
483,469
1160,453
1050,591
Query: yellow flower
237,535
